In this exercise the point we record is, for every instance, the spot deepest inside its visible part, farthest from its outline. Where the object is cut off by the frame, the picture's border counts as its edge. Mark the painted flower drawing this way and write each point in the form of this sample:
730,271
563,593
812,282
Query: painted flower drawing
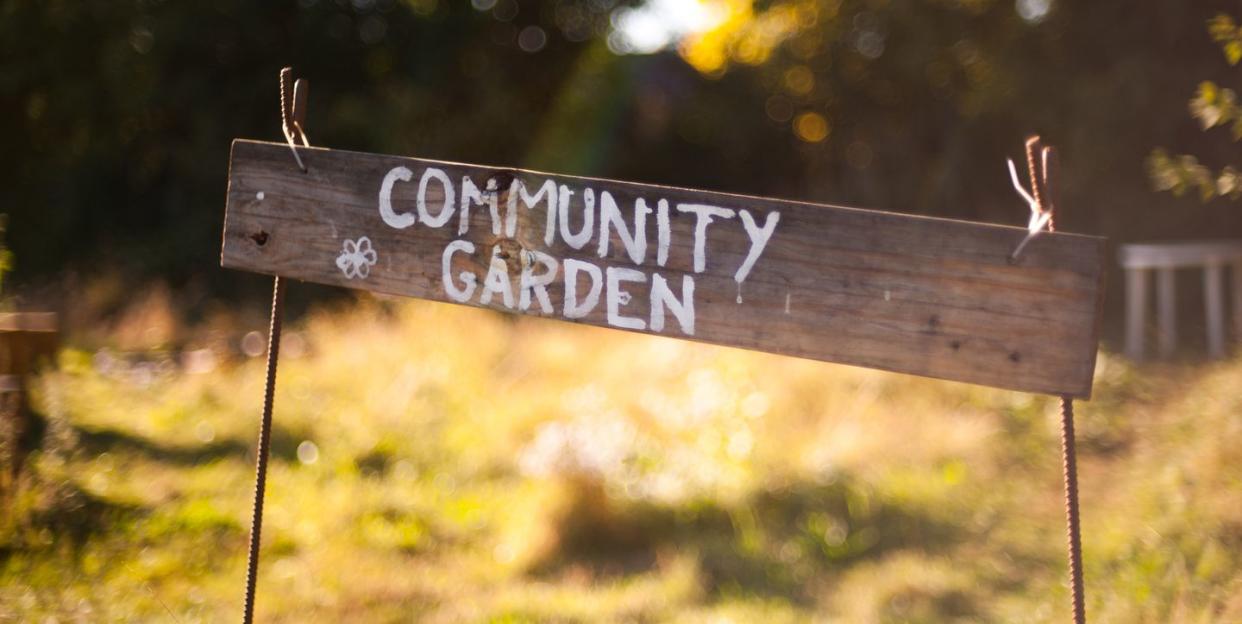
356,258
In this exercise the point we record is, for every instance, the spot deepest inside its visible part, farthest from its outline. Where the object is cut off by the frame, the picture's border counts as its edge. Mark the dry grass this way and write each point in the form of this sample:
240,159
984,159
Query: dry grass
443,465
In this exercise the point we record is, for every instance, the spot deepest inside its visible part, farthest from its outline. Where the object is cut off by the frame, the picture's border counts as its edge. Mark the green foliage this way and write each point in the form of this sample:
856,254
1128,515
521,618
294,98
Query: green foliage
1215,106
1212,106
117,119
1183,173
6,256
1228,35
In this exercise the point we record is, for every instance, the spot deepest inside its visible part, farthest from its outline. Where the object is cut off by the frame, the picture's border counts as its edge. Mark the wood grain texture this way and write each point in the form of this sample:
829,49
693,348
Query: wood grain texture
918,295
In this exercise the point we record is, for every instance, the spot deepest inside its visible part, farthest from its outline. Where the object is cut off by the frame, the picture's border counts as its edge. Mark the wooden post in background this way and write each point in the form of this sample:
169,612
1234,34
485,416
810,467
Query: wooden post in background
28,341
1166,298
1136,312
1214,302
1237,304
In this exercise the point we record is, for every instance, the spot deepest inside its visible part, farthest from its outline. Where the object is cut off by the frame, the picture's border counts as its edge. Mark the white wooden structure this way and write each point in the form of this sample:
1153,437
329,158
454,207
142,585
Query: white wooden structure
1164,259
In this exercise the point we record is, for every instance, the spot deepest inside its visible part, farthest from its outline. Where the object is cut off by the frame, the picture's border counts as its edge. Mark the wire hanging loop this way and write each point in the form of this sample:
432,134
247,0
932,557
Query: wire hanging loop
1039,198
293,113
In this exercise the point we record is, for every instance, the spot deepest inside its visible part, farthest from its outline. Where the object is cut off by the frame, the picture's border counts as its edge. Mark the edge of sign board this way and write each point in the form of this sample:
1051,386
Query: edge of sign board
1100,244
1101,289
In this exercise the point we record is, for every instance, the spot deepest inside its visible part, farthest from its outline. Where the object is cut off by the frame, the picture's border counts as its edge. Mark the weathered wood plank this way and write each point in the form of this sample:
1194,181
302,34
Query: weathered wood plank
910,294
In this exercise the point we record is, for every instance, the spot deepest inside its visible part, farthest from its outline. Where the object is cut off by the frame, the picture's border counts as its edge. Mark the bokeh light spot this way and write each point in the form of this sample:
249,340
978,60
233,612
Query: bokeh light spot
253,344
505,10
204,431
811,127
308,452
799,80
1033,11
532,39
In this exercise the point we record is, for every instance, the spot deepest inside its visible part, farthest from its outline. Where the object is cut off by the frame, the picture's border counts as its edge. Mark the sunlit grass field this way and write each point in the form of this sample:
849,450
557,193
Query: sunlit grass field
441,464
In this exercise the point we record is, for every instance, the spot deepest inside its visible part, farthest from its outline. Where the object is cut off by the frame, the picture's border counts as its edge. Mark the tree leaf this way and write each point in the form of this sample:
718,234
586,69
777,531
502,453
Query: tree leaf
1233,52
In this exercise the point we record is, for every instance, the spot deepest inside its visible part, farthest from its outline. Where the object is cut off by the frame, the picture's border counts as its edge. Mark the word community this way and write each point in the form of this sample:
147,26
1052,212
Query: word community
602,222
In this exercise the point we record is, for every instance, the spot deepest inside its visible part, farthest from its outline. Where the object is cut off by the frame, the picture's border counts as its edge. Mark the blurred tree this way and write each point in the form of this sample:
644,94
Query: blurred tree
6,256
912,105
1213,106
120,115
116,118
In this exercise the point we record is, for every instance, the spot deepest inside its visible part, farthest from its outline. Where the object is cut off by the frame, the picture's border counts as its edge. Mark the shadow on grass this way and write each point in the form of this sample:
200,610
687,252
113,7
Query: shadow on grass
47,510
772,544
60,516
94,441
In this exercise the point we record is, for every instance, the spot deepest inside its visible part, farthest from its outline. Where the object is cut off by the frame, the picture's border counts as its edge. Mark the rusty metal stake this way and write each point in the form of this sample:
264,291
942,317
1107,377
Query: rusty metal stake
1042,166
1069,464
293,120
265,442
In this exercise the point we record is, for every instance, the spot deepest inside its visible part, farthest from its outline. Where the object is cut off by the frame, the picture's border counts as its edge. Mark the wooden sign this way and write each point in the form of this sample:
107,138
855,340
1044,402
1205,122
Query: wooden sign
910,294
